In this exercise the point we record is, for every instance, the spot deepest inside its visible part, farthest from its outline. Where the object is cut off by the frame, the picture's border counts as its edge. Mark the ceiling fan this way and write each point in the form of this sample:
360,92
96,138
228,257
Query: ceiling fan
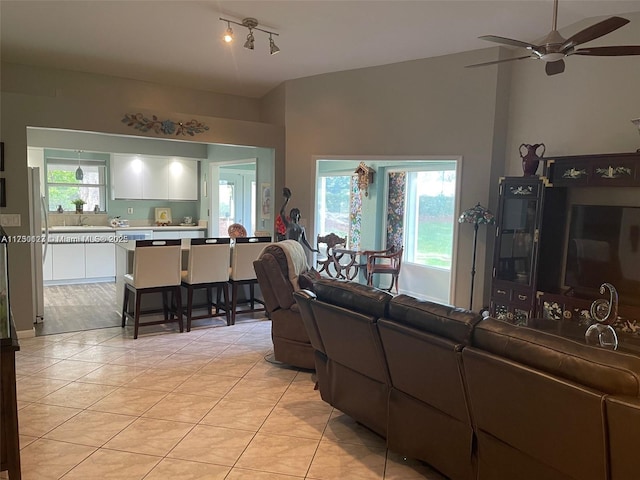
554,48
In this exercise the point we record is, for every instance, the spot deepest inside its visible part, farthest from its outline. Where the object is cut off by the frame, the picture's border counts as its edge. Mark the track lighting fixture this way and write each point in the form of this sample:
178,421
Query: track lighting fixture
251,24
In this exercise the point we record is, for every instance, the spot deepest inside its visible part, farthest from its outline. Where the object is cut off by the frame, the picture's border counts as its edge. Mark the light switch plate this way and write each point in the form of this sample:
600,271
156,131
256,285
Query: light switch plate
130,210
10,220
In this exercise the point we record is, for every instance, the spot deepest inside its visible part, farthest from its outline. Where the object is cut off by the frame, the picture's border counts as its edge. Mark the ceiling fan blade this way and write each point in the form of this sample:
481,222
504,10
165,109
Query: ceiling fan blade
609,51
553,68
497,61
508,41
595,31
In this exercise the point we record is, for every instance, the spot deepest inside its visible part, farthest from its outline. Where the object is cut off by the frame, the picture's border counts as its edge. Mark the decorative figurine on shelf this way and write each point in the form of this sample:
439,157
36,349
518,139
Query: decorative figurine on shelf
531,159
60,209
604,312
294,231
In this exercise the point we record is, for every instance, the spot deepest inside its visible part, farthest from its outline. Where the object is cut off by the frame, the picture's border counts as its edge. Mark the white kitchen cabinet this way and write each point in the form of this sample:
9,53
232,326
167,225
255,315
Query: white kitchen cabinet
126,176
183,179
153,178
67,261
100,260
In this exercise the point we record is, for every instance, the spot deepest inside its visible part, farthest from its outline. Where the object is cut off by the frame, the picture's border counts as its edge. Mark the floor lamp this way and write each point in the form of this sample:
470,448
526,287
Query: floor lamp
477,215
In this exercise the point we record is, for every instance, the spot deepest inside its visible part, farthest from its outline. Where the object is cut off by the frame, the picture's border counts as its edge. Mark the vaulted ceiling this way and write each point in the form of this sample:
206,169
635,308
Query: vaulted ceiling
180,43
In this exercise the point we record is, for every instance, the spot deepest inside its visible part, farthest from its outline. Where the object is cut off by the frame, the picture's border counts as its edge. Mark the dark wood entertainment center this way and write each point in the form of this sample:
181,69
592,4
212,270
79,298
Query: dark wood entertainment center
531,236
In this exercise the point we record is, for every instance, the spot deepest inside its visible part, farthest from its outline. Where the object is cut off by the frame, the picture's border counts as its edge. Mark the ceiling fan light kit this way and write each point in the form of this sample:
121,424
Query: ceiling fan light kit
250,24
554,48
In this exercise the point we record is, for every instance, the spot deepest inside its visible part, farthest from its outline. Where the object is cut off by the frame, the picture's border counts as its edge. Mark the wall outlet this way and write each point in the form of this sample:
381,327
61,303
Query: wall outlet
10,220
130,210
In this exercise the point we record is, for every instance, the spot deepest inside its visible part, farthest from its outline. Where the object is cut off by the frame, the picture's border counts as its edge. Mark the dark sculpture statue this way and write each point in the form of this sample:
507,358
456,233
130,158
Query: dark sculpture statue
294,231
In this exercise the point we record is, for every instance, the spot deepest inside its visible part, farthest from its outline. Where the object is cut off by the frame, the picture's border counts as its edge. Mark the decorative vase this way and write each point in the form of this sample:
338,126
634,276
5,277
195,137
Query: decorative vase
531,159
79,209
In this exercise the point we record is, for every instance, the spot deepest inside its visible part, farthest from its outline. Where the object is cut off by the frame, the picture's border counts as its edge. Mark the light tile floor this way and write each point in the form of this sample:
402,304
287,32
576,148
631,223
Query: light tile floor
199,405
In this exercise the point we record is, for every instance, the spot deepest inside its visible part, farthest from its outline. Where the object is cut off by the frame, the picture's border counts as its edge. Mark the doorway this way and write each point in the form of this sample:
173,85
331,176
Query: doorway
411,203
233,196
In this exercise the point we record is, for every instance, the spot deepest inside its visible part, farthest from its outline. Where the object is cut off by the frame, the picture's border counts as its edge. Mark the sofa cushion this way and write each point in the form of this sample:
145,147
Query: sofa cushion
450,322
307,279
353,296
604,370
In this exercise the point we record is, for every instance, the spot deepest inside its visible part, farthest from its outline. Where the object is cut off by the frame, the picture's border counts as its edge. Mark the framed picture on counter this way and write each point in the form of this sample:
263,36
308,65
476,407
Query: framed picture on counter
163,215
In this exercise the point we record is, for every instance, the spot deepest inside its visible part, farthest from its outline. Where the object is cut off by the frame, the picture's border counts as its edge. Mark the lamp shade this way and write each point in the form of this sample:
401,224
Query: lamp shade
478,215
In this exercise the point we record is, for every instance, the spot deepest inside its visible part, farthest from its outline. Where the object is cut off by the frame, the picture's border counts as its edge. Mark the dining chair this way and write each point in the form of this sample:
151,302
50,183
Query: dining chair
243,252
208,268
327,262
385,262
156,269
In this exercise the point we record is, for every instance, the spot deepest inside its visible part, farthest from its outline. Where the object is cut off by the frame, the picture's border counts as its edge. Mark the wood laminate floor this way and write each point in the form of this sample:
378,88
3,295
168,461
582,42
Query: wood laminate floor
73,308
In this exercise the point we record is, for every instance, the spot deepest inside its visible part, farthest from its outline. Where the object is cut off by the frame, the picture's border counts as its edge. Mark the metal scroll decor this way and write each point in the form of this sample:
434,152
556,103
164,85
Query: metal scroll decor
167,127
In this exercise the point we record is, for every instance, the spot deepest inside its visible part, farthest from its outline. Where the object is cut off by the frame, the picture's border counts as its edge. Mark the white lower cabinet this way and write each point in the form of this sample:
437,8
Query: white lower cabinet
100,260
79,262
67,261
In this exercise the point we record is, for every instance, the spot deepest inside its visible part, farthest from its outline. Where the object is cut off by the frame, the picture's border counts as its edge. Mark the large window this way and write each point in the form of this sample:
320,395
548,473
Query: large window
334,205
429,219
63,187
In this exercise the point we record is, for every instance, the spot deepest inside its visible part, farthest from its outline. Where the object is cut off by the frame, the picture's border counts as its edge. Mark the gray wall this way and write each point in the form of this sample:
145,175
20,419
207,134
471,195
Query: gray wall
49,98
426,107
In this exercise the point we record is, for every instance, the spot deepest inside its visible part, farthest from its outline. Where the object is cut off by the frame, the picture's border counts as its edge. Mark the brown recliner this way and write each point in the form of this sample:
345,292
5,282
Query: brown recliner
429,416
291,343
346,315
538,403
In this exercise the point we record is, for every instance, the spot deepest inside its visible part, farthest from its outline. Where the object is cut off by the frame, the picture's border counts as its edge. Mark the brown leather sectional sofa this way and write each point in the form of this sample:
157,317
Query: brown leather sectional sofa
476,399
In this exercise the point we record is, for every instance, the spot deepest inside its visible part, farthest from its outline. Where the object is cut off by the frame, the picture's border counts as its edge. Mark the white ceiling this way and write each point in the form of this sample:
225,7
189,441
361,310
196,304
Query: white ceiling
175,42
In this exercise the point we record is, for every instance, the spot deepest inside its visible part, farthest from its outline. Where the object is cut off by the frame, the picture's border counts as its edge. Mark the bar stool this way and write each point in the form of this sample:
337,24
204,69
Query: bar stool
244,251
208,267
156,269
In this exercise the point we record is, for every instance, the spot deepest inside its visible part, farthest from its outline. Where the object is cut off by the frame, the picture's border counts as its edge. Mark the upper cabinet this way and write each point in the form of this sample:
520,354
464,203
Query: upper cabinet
608,170
153,178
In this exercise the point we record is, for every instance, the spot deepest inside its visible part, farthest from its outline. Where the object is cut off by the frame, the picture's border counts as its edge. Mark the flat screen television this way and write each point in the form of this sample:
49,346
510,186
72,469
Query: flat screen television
604,246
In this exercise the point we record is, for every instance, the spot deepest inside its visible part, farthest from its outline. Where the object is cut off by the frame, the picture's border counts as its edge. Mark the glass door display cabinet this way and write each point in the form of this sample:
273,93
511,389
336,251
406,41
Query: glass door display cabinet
516,249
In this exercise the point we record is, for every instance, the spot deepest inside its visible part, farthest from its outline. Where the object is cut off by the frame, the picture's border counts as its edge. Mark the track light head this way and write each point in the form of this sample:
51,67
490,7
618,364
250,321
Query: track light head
273,48
228,36
250,43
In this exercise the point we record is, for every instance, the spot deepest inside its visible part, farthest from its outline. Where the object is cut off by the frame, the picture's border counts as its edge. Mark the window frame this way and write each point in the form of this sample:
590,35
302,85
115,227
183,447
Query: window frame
103,173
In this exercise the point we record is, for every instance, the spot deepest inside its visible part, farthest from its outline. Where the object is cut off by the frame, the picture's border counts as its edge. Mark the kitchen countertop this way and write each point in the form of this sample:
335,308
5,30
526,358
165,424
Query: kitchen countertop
92,228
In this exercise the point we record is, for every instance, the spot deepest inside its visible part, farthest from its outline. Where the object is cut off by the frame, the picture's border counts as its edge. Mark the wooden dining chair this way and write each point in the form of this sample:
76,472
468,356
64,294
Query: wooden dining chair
326,261
386,262
156,269
208,268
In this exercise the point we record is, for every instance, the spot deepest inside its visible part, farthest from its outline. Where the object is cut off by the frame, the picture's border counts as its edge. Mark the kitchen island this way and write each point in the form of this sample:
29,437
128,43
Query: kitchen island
87,254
